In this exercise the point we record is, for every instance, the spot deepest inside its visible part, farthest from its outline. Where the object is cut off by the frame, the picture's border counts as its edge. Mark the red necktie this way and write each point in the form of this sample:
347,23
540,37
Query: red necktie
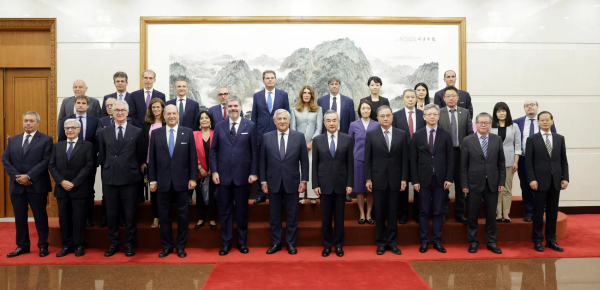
410,123
224,113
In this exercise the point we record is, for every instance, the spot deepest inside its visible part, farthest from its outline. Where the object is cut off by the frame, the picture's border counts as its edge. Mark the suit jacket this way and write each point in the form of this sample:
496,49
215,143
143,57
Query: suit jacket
260,112
76,170
358,134
474,167
113,95
33,162
383,167
463,123
347,106
137,105
464,100
92,131
235,159
200,149
541,167
276,171
191,112
401,123
121,161
521,123
332,174
511,144
146,133
421,159
67,108
177,170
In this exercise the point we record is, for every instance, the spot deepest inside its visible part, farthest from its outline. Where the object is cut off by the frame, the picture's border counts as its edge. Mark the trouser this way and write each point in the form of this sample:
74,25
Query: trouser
490,200
89,201
182,205
309,192
201,206
332,210
432,195
226,197
386,234
259,192
545,200
526,190
402,210
459,196
127,196
37,202
71,218
505,197
289,201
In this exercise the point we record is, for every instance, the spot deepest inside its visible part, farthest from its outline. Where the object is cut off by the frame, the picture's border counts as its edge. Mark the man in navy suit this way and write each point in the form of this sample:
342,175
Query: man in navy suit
120,80
234,166
341,104
90,126
283,156
189,110
68,104
219,112
529,126
464,98
25,161
139,100
409,120
173,170
121,152
264,105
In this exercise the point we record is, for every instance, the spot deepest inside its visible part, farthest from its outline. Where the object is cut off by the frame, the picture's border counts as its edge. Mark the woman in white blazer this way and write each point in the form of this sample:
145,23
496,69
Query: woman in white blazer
503,126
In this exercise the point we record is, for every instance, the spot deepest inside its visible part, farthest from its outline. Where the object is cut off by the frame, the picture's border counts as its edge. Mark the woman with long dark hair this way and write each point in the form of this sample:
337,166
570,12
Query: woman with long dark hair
154,120
203,138
422,96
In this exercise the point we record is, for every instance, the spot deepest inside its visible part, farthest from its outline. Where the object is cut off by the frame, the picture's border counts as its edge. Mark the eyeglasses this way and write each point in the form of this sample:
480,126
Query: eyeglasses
530,105
223,94
108,106
484,123
119,111
71,128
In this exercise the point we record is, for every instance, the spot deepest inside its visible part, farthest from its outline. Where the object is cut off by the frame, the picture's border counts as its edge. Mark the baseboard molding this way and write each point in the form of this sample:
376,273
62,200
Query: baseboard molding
580,209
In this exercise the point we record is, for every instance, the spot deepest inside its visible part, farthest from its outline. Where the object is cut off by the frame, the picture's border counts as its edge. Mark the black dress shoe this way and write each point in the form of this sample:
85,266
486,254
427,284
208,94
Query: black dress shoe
527,218
197,226
423,248
273,249
260,200
507,221
348,198
395,250
292,250
17,252
473,248
111,251
371,221
102,224
44,252
339,252
461,219
494,249
64,252
554,246
181,253
89,224
439,247
243,249
326,252
214,227
380,250
165,253
402,221
361,221
129,252
80,252
499,220
538,247
224,250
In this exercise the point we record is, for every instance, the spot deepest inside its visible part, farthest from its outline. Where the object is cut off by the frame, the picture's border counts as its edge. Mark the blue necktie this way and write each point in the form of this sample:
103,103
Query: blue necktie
282,147
171,142
332,147
531,129
270,103
387,140
81,131
70,150
484,146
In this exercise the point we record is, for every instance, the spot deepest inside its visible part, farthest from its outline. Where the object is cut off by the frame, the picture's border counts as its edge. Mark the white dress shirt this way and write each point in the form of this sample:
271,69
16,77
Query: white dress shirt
272,97
549,138
286,134
429,132
117,130
83,123
536,128
30,138
450,119
414,119
365,123
389,135
184,102
335,139
237,124
338,103
74,142
174,133
146,95
124,95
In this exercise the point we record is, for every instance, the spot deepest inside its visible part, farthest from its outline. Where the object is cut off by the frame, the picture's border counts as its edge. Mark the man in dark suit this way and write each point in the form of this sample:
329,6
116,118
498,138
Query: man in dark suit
25,161
173,170
483,174
71,162
431,172
529,126
120,80
386,172
219,112
89,128
234,166
409,120
283,157
68,104
189,110
464,98
332,180
139,100
264,105
457,121
547,174
121,154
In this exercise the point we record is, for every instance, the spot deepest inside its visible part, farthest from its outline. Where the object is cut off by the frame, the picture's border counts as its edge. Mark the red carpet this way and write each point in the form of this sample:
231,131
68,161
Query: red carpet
314,275
583,240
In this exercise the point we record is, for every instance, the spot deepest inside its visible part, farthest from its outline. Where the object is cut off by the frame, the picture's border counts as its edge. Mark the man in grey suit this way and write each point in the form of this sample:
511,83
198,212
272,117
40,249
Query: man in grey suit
482,174
457,121
68,104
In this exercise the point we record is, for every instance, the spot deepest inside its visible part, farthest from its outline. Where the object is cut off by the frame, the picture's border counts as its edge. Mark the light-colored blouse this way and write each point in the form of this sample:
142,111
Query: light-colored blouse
308,123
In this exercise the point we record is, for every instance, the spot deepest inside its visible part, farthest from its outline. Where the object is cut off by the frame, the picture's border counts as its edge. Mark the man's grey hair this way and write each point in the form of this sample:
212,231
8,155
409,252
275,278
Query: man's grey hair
482,114
383,108
118,102
408,90
150,71
432,106
78,125
37,116
233,98
334,79
332,112
281,111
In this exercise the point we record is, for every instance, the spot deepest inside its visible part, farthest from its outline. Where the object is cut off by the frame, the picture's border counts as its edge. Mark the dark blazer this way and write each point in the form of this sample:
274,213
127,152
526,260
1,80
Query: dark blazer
401,123
382,102
463,123
137,105
146,133
383,167
521,123
464,100
348,114
541,167
192,111
33,162
76,170
113,95
92,130
274,170
217,113
67,108
177,170
121,161
234,158
421,158
260,112
474,167
332,174
358,134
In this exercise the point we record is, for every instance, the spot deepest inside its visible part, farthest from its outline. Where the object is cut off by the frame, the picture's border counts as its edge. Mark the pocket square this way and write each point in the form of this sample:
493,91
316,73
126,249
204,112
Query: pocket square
183,143
245,133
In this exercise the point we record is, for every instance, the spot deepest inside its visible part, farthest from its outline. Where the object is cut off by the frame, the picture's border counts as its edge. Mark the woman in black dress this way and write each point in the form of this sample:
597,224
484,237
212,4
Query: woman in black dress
375,99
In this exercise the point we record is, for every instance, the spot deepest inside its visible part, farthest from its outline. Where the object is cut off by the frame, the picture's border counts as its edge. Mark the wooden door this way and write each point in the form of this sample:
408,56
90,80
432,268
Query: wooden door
24,90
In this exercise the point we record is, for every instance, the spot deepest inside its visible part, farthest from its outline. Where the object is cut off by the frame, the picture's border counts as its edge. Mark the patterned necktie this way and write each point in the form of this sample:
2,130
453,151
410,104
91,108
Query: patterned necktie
334,104
26,143
282,147
120,137
147,99
70,150
269,103
548,144
112,121
431,141
224,113
81,135
387,139
171,142
120,97
232,132
453,129
484,146
531,128
410,124
181,111
332,147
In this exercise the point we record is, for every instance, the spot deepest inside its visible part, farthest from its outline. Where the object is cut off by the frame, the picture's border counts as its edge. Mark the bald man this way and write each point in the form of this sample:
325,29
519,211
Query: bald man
68,104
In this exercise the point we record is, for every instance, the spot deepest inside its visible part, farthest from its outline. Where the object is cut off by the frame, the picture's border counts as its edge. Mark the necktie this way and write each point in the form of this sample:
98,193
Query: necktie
334,104
484,146
81,131
120,136
453,128
282,147
171,142
431,141
112,121
26,144
332,147
120,97
269,102
147,99
232,132
548,144
387,139
70,150
410,123
224,113
181,111
531,128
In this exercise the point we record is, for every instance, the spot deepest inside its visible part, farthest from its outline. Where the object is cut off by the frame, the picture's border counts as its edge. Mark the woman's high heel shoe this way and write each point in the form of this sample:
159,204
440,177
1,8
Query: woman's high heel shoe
214,227
154,224
199,225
